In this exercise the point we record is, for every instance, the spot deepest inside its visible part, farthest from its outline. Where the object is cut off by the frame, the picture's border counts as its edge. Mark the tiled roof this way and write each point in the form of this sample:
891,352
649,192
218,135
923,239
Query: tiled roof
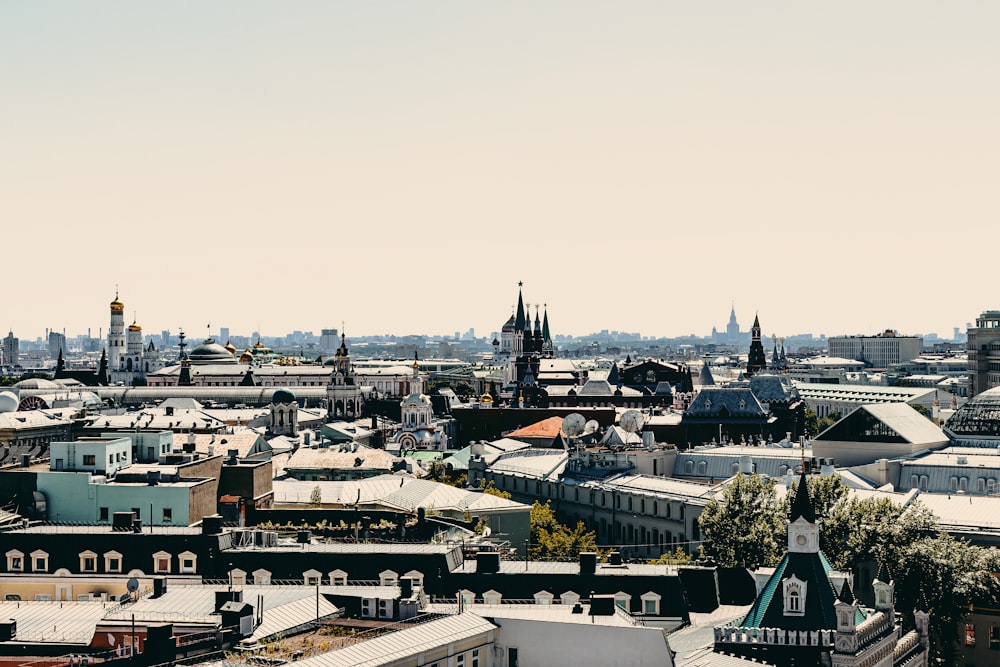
547,428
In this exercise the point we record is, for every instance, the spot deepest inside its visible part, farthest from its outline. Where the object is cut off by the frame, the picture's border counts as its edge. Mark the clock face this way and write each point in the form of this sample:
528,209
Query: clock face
801,540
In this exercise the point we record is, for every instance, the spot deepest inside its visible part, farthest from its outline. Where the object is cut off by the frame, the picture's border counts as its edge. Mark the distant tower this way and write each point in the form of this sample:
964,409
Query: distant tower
133,349
733,328
343,394
547,348
116,334
11,350
757,359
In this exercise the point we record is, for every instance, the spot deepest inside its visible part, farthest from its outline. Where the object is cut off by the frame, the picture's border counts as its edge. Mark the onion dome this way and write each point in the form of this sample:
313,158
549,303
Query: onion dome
117,305
134,327
246,357
230,348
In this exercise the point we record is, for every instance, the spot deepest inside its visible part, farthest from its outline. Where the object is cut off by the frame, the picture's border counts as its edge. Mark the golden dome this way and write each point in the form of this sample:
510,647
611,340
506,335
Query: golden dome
246,356
230,348
117,305
486,398
134,327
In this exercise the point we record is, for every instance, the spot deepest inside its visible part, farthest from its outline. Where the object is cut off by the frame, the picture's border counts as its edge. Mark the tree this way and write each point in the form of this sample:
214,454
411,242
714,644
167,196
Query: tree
439,472
492,489
946,576
316,497
552,540
816,425
744,528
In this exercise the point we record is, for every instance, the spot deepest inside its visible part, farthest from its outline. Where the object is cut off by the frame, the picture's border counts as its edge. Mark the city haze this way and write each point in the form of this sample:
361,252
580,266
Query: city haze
399,167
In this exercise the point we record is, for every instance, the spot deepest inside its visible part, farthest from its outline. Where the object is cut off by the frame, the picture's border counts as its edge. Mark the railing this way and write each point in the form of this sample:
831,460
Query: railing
774,636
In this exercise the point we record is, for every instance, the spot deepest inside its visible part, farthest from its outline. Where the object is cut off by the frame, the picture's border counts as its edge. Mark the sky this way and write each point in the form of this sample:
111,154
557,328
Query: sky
398,167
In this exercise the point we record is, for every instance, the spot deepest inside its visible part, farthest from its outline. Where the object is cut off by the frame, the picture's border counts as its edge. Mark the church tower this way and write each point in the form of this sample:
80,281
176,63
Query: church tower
757,359
343,394
116,334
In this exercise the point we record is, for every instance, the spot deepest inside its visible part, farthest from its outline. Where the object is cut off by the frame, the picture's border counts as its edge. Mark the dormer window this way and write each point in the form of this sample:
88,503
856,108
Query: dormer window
88,561
795,596
15,561
39,561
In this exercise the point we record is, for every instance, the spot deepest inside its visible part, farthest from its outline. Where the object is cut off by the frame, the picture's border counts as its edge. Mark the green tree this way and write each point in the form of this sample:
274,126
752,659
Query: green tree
816,425
745,526
316,497
491,488
552,540
946,576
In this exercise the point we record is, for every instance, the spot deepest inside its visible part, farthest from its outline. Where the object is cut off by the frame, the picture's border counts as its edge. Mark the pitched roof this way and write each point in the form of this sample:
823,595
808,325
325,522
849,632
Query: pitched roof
547,428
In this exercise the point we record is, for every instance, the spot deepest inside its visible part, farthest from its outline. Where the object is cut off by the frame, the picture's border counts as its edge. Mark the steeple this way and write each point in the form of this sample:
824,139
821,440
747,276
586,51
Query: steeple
519,318
803,531
756,359
546,336
802,505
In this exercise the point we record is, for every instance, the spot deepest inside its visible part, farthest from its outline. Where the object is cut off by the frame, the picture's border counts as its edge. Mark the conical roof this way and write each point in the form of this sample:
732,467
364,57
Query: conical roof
802,505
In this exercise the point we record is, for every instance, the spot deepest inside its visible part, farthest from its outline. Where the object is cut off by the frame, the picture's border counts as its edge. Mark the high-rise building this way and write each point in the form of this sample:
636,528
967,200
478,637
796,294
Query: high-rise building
11,350
984,352
56,343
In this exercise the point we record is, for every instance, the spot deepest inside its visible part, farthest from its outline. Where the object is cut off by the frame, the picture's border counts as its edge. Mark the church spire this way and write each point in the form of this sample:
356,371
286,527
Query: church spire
520,317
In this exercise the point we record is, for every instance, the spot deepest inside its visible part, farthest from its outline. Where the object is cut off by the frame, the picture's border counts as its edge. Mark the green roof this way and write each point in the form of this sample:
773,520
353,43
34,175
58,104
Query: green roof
813,568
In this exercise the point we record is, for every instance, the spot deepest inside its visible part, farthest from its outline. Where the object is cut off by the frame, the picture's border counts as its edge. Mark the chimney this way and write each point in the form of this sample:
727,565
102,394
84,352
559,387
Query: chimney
233,455
487,562
588,562
189,445
152,477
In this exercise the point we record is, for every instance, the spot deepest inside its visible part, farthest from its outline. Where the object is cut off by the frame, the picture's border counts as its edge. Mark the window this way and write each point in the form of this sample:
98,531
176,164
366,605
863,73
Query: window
475,657
88,561
188,562
39,561
103,514
168,514
995,636
15,561
161,562
112,561
622,600
970,634
460,660
795,593
89,460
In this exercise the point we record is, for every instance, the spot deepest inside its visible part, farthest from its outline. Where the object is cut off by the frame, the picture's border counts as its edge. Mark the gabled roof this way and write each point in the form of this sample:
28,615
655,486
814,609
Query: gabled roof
547,428
900,419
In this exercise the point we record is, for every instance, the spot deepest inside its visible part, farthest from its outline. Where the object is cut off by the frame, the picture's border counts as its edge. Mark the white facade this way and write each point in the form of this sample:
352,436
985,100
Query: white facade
97,455
881,351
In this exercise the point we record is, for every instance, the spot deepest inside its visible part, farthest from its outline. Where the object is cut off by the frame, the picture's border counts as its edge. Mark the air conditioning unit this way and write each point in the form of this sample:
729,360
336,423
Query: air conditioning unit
369,608
385,608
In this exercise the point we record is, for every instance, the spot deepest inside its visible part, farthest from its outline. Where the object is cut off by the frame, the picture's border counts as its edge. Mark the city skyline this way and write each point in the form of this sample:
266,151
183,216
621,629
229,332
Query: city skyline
398,168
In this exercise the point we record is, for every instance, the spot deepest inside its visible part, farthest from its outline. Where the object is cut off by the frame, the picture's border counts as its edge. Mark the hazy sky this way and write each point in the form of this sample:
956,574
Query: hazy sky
400,166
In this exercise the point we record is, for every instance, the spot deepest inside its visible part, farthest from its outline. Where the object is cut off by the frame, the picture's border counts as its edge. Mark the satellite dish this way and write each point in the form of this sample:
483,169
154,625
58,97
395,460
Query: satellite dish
632,421
591,426
573,424
132,585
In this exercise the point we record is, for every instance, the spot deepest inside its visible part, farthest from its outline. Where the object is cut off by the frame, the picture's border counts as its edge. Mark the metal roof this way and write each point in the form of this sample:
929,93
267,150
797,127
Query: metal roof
409,641
54,622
